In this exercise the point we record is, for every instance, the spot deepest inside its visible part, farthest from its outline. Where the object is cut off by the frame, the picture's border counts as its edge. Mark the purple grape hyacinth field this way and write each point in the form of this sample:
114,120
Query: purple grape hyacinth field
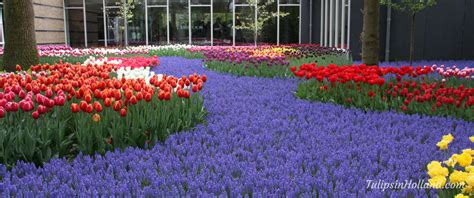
258,140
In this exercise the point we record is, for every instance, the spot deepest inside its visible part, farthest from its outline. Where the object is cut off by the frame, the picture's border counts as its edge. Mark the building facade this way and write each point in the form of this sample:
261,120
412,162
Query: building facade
49,22
444,31
197,22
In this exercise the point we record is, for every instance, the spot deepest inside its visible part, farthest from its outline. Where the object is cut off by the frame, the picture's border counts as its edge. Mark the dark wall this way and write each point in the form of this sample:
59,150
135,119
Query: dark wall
444,31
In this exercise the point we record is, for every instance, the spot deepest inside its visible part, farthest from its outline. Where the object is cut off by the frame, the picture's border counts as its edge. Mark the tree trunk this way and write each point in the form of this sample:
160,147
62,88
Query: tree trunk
370,32
412,38
20,40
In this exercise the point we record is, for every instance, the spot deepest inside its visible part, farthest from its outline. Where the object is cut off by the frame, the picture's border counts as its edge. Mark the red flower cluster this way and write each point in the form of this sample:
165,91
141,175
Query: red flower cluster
362,73
89,88
136,62
407,87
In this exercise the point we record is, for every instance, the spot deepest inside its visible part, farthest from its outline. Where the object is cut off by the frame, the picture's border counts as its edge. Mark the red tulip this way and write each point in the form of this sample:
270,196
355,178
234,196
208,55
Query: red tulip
167,96
148,97
371,93
83,105
18,68
195,88
74,108
97,106
42,109
35,115
133,100
2,112
26,105
117,105
89,108
123,112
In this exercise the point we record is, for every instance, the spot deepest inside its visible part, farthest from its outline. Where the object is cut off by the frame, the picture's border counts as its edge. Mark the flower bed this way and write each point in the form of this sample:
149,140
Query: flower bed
427,90
456,172
267,61
281,146
60,110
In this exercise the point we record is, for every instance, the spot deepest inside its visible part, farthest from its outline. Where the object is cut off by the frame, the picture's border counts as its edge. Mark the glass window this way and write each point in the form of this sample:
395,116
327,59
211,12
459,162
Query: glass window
289,25
95,23
268,31
245,25
179,30
115,27
242,1
156,2
112,2
289,1
222,22
75,27
194,2
136,26
1,24
201,25
73,3
157,32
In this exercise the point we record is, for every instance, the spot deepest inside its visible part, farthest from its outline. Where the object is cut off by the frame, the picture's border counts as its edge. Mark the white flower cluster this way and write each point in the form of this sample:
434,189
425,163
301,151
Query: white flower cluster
129,73
101,61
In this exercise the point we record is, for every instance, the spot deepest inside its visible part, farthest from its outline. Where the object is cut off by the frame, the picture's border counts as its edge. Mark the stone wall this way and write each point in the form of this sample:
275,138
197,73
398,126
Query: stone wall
49,21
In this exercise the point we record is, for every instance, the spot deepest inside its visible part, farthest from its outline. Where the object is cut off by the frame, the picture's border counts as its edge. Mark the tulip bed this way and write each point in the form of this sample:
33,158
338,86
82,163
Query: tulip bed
281,146
61,110
268,61
427,90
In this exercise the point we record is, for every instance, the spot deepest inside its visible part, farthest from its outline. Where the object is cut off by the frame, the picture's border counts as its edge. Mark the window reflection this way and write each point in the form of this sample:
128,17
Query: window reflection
115,27
267,34
245,23
136,25
75,27
157,32
95,23
73,3
179,22
289,25
222,22
120,33
201,25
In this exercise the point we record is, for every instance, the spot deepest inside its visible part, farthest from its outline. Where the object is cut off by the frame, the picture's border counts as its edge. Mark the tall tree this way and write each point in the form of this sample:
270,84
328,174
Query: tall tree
20,40
412,7
370,32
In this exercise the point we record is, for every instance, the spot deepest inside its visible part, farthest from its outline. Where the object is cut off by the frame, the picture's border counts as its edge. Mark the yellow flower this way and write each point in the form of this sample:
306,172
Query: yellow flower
471,138
470,180
467,189
449,138
437,181
451,162
469,169
443,144
460,195
465,159
469,151
457,177
435,169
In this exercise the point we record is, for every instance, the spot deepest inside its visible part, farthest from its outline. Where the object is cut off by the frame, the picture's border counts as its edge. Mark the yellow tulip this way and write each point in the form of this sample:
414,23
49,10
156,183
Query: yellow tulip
449,138
435,169
471,138
469,151
457,177
437,181
443,145
465,159
470,180
460,195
